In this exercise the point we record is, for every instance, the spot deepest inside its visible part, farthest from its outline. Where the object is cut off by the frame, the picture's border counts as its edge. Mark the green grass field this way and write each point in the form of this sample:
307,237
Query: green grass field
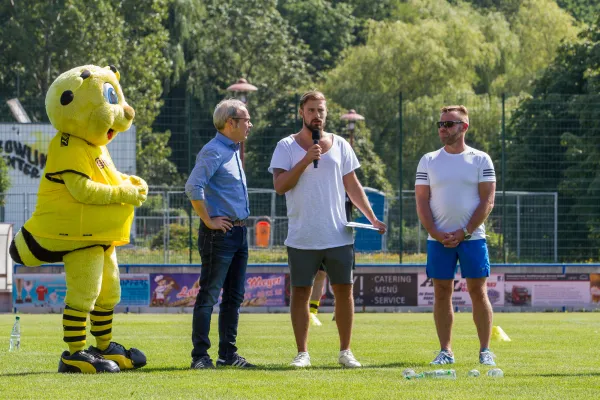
551,356
143,255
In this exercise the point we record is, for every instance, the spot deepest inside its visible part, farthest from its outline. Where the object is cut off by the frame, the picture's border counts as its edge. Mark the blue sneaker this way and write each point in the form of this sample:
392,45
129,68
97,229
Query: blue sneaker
486,357
203,362
443,357
235,361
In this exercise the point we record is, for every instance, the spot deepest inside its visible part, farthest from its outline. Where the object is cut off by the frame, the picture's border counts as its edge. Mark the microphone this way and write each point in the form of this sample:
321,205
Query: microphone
316,135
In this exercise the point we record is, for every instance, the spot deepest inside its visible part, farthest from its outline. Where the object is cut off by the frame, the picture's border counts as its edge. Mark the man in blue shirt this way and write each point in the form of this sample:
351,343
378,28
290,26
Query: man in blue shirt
218,192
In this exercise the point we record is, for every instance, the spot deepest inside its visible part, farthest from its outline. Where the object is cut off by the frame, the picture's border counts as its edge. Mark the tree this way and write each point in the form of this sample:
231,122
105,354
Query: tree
439,51
146,67
326,28
61,34
417,59
553,139
218,43
4,179
541,27
507,7
582,10
58,36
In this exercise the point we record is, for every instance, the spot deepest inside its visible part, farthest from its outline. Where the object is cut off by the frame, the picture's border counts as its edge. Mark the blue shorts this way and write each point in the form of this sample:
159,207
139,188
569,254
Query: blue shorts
472,255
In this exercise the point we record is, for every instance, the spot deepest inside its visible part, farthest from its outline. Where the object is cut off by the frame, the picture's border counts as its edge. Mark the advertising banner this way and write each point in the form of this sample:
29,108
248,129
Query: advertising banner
460,297
135,290
180,290
39,290
49,290
595,288
264,290
376,289
174,290
392,290
546,289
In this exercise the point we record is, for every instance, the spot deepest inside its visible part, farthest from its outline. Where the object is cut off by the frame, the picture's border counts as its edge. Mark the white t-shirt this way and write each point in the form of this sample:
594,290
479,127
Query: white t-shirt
315,206
453,181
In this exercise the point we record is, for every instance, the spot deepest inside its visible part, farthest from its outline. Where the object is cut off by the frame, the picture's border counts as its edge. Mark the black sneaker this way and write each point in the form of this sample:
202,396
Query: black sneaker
202,363
235,361
127,359
83,362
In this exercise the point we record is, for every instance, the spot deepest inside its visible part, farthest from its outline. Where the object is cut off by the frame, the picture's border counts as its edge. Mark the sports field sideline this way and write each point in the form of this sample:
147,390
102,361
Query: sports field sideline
551,356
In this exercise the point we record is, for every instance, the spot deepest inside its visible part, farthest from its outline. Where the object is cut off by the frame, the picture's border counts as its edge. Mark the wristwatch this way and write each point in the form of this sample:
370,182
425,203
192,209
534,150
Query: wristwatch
467,234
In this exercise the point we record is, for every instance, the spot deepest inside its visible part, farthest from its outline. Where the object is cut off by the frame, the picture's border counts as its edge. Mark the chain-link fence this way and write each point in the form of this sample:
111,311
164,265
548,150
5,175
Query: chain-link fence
164,233
545,152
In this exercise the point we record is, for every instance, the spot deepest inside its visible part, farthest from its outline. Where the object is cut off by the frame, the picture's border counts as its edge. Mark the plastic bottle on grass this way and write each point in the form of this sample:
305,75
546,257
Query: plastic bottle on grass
473,373
437,374
15,335
407,373
495,373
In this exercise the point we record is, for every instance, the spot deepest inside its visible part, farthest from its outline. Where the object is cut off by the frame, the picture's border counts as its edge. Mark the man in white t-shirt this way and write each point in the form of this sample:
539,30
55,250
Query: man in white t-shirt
314,178
455,188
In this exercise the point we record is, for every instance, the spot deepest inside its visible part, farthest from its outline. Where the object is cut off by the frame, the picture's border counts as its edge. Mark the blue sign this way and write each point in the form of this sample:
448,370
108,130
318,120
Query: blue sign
39,290
135,290
366,239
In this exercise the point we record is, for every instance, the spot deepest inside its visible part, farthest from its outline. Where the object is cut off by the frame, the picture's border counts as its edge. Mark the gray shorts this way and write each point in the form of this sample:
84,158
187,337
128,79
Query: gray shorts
337,261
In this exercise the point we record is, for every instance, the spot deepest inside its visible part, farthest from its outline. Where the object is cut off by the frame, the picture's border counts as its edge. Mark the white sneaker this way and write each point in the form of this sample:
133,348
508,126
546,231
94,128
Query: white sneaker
347,359
301,360
314,320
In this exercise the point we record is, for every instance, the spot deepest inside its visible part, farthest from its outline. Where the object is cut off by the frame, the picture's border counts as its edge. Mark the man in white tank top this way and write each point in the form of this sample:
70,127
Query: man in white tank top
455,188
314,178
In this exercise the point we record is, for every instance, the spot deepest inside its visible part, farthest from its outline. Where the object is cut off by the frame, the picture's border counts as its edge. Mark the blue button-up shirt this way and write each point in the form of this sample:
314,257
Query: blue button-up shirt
219,180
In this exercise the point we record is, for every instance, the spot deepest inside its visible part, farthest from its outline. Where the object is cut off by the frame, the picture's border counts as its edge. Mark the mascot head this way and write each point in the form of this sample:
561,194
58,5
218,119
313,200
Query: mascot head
88,102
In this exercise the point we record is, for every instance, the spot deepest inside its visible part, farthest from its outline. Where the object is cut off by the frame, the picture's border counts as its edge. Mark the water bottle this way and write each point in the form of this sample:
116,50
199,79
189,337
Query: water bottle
495,373
443,374
437,374
407,373
15,336
473,373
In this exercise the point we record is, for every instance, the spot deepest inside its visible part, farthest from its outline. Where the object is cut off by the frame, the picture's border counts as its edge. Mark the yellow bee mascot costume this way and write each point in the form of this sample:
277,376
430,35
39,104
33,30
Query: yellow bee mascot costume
84,210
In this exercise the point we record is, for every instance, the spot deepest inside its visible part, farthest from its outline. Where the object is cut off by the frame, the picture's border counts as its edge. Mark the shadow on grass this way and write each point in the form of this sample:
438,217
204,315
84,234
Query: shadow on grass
31,373
284,367
574,374
272,367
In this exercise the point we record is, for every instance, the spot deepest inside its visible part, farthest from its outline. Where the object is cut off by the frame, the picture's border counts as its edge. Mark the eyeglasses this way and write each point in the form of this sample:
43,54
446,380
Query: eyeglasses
244,119
448,124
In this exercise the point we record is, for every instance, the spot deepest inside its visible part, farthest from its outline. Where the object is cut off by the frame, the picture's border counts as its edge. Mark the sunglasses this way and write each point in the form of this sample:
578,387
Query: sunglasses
448,124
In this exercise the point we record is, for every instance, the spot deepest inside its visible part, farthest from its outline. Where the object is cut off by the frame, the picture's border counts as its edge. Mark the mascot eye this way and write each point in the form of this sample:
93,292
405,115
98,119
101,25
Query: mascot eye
110,94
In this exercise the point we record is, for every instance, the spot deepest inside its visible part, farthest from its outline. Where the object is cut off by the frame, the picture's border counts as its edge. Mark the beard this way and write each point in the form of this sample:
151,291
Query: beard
450,139
313,127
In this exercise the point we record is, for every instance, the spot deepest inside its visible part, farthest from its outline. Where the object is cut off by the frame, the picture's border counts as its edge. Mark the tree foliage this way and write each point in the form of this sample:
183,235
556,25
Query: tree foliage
62,34
583,10
4,178
554,141
326,28
437,50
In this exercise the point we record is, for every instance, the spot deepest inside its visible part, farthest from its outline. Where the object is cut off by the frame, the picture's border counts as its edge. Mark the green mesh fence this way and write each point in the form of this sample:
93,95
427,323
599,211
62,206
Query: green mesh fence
545,151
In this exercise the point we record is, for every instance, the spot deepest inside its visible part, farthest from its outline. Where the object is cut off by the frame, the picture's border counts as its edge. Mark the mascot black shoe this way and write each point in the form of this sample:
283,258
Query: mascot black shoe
127,359
85,362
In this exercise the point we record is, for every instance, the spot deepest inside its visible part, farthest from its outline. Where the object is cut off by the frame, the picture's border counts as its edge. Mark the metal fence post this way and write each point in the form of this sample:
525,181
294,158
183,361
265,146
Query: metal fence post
504,255
165,233
518,227
555,226
26,207
400,200
273,212
190,167
168,227
297,125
